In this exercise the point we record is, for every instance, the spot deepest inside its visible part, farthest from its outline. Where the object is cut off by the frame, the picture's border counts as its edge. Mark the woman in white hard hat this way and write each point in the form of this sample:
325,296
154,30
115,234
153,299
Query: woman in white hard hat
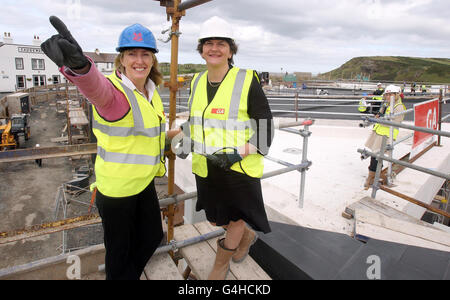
375,139
129,123
230,124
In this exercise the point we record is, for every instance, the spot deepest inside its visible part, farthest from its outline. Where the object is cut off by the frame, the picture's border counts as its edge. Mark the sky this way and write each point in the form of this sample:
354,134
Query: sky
275,36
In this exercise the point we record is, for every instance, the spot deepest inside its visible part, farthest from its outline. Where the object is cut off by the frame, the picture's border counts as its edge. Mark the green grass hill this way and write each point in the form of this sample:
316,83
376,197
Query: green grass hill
393,68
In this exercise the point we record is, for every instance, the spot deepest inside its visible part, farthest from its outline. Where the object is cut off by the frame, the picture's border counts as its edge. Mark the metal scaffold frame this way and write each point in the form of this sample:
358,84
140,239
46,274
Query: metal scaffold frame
388,145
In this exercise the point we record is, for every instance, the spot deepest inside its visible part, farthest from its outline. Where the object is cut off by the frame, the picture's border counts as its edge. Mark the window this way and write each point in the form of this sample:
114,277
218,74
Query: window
20,82
37,64
56,79
19,63
38,80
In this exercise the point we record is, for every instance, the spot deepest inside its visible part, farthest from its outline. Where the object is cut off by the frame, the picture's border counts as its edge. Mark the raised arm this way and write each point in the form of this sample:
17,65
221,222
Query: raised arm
64,51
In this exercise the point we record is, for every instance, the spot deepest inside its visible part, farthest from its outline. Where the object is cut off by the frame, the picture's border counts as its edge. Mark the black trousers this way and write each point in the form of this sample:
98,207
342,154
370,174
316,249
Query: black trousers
132,232
373,164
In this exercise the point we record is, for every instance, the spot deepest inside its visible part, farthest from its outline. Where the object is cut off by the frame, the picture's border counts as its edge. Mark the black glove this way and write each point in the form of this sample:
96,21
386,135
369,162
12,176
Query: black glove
62,48
225,160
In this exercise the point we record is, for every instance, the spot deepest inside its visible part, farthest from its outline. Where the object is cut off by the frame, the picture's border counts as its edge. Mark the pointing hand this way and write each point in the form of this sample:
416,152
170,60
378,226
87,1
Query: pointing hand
62,48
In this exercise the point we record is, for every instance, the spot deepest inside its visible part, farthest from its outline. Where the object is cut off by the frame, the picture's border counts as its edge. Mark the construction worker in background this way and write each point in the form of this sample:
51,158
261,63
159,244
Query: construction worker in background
424,89
38,161
375,139
363,104
129,124
372,106
230,124
379,91
377,99
413,88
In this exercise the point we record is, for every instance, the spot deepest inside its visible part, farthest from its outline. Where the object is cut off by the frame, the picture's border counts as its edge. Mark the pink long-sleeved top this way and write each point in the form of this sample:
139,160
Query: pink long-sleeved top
110,103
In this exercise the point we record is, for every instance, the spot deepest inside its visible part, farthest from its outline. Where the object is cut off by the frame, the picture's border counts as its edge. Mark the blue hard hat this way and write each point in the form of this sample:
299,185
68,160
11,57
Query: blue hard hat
137,36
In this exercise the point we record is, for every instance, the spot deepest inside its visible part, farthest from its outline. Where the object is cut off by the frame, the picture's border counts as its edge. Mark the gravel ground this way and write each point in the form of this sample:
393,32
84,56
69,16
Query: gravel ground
28,192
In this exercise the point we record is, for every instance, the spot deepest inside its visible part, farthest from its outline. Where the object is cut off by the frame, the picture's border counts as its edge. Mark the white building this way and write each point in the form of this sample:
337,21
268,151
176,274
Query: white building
103,61
25,66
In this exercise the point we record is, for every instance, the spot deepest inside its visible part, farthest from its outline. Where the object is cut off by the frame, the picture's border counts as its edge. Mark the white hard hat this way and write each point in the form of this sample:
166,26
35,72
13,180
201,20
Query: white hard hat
392,89
379,83
37,145
216,27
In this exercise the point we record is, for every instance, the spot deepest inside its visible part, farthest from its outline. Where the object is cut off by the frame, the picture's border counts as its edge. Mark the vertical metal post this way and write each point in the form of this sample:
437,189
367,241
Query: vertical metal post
440,116
296,106
391,142
305,133
69,131
376,181
172,109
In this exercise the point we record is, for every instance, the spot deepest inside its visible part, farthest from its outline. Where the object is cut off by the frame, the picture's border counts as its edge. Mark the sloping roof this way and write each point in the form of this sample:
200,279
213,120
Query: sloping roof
102,57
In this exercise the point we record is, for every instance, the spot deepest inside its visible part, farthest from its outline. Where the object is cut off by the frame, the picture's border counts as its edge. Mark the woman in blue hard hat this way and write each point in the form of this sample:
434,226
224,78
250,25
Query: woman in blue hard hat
129,123
230,124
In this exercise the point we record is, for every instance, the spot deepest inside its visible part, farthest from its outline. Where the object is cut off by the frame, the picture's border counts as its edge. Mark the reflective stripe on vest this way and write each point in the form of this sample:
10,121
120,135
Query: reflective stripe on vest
128,131
223,123
129,154
362,105
126,158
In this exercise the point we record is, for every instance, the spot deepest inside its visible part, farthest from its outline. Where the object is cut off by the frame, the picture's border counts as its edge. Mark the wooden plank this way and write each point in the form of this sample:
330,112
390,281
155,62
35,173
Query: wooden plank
363,229
65,138
425,233
47,228
248,269
162,267
390,212
415,201
372,204
200,257
350,210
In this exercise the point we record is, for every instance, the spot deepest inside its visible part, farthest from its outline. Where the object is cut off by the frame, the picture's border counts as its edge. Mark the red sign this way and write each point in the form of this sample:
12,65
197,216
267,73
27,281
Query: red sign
218,111
425,115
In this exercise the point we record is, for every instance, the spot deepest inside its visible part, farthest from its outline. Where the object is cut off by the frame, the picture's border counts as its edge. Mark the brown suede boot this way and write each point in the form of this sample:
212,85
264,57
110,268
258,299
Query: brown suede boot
222,262
248,239
369,180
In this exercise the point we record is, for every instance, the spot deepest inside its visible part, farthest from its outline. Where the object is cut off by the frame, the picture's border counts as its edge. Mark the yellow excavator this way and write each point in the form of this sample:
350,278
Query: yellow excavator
11,129
8,140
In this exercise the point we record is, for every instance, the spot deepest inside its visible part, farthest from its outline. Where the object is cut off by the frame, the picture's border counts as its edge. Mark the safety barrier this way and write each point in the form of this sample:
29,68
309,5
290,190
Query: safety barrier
61,199
381,157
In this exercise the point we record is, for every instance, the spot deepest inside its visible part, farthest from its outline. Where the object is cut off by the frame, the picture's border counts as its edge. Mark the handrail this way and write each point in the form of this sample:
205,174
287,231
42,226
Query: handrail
405,164
411,127
175,199
381,157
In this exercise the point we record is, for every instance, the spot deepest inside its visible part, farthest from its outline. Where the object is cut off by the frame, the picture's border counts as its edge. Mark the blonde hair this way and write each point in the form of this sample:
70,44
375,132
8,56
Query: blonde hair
155,75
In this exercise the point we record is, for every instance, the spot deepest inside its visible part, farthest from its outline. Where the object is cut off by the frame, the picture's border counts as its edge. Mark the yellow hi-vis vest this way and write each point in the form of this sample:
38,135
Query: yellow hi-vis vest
130,151
385,130
362,105
224,123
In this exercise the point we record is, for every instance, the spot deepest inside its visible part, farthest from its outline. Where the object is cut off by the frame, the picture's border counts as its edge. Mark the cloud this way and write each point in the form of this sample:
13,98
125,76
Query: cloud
296,35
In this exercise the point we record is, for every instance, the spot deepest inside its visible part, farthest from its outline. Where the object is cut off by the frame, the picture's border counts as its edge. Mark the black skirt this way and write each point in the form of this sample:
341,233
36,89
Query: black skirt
230,196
